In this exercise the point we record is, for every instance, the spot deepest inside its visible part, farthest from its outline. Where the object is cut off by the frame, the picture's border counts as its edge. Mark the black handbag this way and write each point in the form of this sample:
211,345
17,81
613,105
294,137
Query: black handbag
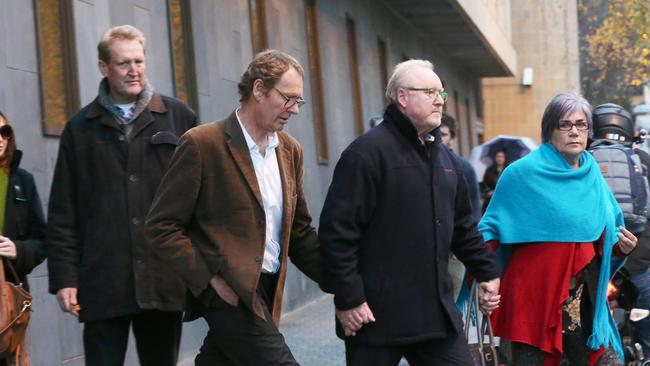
483,354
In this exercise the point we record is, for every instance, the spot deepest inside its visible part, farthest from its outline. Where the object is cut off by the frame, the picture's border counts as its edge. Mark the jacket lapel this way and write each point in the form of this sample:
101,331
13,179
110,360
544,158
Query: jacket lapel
240,153
286,176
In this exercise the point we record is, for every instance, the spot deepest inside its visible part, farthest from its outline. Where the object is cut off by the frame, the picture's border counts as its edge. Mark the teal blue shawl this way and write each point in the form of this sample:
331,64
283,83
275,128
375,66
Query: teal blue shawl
541,198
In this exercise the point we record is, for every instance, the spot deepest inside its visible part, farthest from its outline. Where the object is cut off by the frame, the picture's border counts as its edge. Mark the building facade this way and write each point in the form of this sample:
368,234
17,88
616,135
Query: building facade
196,50
545,37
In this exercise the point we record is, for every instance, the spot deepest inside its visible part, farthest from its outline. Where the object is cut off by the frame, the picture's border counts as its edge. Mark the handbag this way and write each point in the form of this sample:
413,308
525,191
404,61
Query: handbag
483,354
15,307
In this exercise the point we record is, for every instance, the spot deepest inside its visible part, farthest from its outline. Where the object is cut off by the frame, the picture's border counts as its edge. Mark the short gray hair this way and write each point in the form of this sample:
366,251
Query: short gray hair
400,77
561,105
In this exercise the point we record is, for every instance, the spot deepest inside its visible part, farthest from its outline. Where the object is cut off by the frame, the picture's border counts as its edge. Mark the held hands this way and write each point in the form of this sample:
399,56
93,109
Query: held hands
627,241
67,298
352,320
7,248
488,295
224,291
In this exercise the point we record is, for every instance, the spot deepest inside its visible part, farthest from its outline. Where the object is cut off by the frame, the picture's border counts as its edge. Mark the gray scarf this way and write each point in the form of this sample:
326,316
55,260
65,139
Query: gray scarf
143,101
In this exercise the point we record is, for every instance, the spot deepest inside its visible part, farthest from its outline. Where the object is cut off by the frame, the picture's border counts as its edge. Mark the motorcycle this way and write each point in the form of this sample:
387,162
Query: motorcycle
622,295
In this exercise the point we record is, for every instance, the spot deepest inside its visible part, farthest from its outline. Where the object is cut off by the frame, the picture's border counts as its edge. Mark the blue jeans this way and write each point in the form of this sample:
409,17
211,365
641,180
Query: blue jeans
642,281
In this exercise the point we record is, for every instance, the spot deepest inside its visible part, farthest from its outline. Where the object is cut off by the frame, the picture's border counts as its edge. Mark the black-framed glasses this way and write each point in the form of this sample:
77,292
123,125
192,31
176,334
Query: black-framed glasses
432,93
566,125
6,132
290,101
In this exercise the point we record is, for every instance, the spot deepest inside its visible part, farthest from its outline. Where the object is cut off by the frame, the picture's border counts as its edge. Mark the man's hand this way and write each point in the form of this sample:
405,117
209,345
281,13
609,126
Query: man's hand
224,291
352,320
67,298
7,248
488,295
627,241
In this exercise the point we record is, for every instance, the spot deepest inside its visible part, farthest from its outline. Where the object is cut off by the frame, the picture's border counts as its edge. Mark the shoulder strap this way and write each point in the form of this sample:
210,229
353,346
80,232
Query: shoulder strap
11,269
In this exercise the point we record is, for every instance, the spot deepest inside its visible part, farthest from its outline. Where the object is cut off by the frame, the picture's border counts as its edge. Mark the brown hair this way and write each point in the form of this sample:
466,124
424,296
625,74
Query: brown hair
121,32
5,160
268,66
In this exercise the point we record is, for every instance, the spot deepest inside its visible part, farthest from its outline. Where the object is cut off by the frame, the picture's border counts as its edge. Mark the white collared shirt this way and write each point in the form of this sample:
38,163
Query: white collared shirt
270,184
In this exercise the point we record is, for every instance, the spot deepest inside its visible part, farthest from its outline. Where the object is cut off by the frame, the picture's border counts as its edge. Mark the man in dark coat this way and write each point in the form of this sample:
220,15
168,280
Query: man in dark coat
112,156
396,207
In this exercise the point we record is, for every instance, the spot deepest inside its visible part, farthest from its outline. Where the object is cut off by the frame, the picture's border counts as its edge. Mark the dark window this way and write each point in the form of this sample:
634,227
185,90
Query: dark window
259,35
313,46
354,76
182,46
383,67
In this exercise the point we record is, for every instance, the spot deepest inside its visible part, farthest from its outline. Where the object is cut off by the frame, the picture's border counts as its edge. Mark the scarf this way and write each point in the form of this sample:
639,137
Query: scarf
143,101
541,198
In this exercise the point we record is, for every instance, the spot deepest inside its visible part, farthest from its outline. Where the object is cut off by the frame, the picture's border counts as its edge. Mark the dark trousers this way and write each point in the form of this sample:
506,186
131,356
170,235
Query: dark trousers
239,337
157,338
451,350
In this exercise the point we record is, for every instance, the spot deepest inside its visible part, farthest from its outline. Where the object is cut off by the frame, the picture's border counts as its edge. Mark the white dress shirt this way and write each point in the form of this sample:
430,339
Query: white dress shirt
270,184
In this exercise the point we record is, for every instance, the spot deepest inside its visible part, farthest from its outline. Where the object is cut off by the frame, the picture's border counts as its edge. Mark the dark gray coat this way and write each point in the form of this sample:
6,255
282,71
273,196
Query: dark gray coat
24,223
103,186
395,210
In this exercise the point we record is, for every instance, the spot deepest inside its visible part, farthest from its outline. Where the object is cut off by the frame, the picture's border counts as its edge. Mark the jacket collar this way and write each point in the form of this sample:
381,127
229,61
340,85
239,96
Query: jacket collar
156,105
241,154
405,127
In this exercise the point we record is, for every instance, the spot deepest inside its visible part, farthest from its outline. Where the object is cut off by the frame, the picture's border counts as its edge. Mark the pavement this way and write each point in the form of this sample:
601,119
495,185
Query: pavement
309,333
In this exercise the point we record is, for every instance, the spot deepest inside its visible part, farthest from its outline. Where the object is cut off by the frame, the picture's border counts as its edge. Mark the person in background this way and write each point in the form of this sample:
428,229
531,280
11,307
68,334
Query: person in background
112,156
557,225
448,135
22,225
491,176
615,125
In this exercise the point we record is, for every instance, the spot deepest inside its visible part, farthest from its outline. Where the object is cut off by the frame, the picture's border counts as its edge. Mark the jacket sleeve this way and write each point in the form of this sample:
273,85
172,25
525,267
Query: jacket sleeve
467,242
347,210
62,246
304,248
171,213
30,252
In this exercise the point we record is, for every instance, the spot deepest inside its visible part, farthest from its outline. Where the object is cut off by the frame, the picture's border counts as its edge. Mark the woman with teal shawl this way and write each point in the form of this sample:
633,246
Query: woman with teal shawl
558,231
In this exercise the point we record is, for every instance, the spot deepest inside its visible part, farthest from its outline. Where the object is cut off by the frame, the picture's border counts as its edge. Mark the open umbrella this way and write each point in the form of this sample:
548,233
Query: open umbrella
514,146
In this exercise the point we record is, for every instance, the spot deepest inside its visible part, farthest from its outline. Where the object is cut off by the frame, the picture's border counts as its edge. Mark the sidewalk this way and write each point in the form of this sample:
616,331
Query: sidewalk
309,333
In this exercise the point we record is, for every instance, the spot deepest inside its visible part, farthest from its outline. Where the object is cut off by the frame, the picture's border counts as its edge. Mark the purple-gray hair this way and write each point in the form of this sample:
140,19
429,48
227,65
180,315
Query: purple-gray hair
561,105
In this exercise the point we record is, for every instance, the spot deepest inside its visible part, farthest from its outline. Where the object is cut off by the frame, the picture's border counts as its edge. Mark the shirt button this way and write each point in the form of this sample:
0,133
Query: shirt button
133,178
121,138
258,258
135,220
438,222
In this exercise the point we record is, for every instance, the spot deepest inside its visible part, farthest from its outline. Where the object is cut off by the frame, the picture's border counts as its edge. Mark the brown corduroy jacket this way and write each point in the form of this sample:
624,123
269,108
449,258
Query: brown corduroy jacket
208,217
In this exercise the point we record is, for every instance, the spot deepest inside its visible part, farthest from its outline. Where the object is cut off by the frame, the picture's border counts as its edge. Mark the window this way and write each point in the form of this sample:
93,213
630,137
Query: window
468,120
57,64
459,123
259,35
354,76
383,66
313,46
182,46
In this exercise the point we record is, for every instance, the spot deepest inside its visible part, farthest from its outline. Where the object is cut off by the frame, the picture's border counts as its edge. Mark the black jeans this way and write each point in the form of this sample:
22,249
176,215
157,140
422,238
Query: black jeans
157,338
451,350
239,337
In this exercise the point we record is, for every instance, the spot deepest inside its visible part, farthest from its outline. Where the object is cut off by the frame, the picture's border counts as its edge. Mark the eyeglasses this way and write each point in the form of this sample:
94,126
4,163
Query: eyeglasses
6,132
290,101
432,93
566,125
